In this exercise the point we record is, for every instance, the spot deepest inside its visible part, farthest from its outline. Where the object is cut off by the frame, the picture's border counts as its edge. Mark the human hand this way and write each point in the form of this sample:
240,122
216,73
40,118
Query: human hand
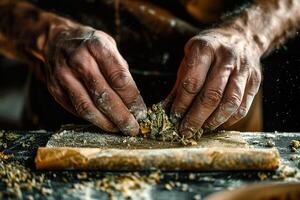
217,80
88,77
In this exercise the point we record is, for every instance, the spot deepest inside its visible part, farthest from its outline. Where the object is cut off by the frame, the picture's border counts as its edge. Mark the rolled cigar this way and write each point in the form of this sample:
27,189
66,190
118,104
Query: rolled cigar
194,159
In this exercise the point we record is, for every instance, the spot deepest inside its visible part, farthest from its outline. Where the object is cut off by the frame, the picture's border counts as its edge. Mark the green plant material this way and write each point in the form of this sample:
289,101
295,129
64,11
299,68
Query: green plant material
158,126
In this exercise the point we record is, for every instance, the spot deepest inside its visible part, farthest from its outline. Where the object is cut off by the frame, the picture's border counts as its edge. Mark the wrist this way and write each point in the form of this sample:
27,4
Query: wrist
257,43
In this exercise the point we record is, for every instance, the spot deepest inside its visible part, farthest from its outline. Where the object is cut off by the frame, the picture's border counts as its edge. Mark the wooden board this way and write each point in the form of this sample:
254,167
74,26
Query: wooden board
77,149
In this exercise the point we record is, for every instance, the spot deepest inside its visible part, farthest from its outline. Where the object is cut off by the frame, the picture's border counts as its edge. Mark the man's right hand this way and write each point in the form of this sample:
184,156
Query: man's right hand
86,75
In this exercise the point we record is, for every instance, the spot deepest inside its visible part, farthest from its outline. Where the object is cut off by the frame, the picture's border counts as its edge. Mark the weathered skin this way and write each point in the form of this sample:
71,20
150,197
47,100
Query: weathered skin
220,73
217,80
84,71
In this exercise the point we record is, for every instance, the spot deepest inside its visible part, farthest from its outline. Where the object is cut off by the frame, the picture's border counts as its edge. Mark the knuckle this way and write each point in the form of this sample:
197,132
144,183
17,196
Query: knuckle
211,97
80,61
103,100
229,52
231,105
120,79
102,34
82,108
76,59
256,77
229,55
234,101
59,74
191,85
191,122
196,43
242,112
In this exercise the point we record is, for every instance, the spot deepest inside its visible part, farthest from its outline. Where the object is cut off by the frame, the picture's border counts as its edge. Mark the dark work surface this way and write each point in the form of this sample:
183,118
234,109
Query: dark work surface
204,183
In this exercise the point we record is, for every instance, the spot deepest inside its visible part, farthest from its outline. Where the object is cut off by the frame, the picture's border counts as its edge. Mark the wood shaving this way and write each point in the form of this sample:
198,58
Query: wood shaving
158,126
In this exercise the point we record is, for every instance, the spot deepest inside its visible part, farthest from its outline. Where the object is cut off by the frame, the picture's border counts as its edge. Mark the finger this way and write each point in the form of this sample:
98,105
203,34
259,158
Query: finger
115,70
230,102
208,99
250,92
167,103
59,95
104,98
82,103
195,66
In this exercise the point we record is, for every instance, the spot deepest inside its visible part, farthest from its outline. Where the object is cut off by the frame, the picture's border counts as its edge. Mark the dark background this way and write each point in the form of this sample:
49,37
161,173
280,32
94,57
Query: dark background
281,88
281,70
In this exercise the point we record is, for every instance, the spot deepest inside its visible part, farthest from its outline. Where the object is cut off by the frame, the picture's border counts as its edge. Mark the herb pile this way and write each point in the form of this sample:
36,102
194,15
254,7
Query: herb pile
158,126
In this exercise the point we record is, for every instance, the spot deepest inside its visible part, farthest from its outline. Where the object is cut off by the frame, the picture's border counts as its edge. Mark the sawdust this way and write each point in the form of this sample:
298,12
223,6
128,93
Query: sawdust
127,185
158,126
17,179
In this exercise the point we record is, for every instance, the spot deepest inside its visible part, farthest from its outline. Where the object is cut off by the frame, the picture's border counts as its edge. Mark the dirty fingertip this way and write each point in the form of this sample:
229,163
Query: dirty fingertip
187,133
140,113
131,128
187,130
138,109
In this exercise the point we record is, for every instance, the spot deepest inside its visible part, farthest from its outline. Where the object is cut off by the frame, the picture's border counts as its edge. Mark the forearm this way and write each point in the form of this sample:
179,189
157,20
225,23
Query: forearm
268,23
25,29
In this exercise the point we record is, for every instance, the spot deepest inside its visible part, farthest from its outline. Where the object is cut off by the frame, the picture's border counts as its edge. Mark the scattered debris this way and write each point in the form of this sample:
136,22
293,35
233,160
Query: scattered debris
17,178
192,176
270,143
157,125
293,149
127,185
295,144
82,175
294,157
184,187
284,172
262,176
197,197
4,156
168,186
46,191
254,142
